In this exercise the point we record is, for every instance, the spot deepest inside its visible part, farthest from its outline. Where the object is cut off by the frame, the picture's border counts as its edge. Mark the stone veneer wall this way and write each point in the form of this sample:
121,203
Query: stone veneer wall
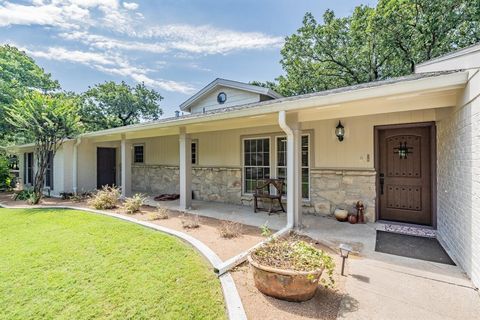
335,188
330,188
208,183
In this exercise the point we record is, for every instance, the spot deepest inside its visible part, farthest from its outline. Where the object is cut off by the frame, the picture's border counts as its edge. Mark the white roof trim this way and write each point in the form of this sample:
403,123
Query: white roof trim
409,84
320,99
452,55
185,106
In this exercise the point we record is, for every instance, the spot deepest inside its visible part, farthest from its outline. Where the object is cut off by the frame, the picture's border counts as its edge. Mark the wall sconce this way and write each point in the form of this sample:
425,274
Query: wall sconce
345,250
340,131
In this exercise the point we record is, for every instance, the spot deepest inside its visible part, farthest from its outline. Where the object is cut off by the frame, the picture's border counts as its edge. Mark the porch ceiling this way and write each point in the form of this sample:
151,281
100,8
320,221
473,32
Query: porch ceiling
394,103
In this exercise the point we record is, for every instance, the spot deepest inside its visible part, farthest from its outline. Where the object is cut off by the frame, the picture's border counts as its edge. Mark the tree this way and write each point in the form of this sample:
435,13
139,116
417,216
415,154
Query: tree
374,43
109,105
48,120
19,74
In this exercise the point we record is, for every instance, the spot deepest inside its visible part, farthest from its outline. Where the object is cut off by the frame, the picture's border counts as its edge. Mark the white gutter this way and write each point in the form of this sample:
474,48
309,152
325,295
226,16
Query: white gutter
329,98
238,259
75,166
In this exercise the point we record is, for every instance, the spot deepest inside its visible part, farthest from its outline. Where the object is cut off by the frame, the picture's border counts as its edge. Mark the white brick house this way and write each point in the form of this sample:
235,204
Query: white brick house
410,150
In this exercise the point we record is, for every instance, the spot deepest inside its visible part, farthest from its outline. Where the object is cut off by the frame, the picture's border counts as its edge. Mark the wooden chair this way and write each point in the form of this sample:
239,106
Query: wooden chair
264,192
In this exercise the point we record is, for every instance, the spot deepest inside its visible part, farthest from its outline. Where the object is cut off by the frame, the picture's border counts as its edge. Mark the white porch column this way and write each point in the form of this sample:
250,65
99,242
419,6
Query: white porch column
126,170
75,166
185,170
292,128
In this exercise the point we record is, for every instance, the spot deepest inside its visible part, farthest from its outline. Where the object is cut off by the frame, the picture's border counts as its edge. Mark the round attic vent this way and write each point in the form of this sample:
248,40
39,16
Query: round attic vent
222,97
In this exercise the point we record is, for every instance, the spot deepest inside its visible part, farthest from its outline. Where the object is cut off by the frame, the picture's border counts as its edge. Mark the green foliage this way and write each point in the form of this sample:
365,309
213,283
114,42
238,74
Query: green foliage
265,230
66,264
373,43
134,203
293,254
47,120
106,198
5,175
110,105
23,195
19,75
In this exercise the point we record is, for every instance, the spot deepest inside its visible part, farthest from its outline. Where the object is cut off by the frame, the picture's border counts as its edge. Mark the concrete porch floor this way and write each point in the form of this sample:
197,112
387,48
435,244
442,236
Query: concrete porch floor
378,285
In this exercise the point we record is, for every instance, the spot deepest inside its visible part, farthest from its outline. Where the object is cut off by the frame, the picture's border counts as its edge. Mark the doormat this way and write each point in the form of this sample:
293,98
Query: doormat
428,249
411,230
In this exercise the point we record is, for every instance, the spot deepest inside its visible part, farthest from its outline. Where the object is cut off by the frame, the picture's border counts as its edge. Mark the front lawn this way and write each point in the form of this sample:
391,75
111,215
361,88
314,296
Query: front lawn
67,264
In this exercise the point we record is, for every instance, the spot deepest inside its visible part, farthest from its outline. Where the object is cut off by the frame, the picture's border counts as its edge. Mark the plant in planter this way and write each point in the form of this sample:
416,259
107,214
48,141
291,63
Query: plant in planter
290,269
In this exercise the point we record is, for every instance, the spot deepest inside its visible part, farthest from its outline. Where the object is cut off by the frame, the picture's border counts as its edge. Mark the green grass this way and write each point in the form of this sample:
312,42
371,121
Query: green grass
67,264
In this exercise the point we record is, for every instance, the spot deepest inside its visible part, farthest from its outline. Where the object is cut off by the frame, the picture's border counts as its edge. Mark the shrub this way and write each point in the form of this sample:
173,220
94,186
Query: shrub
294,254
160,214
106,198
5,175
230,229
265,230
189,222
22,195
134,203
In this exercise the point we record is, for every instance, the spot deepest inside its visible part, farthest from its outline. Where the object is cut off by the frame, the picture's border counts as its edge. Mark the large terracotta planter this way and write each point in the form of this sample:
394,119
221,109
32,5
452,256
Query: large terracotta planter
284,284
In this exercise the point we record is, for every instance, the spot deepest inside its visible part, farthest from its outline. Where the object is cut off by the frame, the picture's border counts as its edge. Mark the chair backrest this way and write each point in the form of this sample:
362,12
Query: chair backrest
265,188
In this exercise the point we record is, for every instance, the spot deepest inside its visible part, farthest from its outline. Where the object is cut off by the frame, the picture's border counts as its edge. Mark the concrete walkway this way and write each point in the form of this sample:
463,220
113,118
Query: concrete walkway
379,286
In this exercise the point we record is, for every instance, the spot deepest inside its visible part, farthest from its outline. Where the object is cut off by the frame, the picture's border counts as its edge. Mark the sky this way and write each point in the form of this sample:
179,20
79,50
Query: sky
174,46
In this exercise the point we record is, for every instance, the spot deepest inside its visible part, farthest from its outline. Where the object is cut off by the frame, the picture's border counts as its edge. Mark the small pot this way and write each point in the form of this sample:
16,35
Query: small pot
352,219
285,284
341,214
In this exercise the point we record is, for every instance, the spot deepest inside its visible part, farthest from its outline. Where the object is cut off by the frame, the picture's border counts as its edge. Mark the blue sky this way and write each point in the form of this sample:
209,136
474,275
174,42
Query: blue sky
174,46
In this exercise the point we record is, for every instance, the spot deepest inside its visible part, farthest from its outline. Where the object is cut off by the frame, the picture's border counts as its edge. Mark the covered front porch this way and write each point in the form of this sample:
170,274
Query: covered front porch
218,156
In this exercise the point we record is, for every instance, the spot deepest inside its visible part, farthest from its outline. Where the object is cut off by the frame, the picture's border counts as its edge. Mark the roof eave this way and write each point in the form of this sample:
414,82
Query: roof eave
450,80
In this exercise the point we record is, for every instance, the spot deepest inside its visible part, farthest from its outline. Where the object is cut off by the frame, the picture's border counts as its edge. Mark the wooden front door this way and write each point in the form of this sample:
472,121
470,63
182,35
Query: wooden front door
106,163
404,170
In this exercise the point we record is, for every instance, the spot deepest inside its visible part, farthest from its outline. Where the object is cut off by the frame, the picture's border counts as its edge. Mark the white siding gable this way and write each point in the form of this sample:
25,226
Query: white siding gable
235,97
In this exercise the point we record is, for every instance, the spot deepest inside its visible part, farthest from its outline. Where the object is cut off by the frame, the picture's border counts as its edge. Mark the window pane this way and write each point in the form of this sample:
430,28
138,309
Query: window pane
256,163
194,153
305,159
305,182
138,154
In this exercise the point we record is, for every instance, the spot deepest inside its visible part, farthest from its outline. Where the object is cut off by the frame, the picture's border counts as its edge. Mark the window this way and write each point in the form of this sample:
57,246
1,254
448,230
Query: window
256,162
49,172
305,166
138,153
281,162
195,152
28,168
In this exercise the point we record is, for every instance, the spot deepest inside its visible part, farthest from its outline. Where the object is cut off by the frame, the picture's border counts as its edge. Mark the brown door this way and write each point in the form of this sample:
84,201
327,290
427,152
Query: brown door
404,173
106,173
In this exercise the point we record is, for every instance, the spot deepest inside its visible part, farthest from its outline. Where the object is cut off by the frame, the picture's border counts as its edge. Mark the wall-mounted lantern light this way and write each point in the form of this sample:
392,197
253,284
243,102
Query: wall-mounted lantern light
340,131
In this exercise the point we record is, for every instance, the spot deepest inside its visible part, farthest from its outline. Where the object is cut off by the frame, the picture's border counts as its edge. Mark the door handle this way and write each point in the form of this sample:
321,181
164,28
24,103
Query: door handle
382,182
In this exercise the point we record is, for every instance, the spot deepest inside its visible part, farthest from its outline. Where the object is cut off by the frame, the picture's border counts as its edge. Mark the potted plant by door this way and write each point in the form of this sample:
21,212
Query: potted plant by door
290,269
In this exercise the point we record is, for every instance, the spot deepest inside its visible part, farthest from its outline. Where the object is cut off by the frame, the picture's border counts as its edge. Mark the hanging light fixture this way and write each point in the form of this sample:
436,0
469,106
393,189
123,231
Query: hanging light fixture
340,131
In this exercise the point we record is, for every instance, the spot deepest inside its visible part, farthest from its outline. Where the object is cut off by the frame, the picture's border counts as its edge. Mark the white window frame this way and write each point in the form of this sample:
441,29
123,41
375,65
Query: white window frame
194,142
270,158
302,167
133,152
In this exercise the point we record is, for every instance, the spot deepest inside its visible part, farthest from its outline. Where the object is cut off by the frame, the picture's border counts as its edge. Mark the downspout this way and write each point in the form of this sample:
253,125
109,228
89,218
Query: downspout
282,122
75,166
235,261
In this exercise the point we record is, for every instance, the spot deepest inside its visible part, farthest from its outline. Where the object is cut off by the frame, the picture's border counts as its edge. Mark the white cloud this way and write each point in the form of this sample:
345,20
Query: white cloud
130,5
102,42
111,64
188,39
